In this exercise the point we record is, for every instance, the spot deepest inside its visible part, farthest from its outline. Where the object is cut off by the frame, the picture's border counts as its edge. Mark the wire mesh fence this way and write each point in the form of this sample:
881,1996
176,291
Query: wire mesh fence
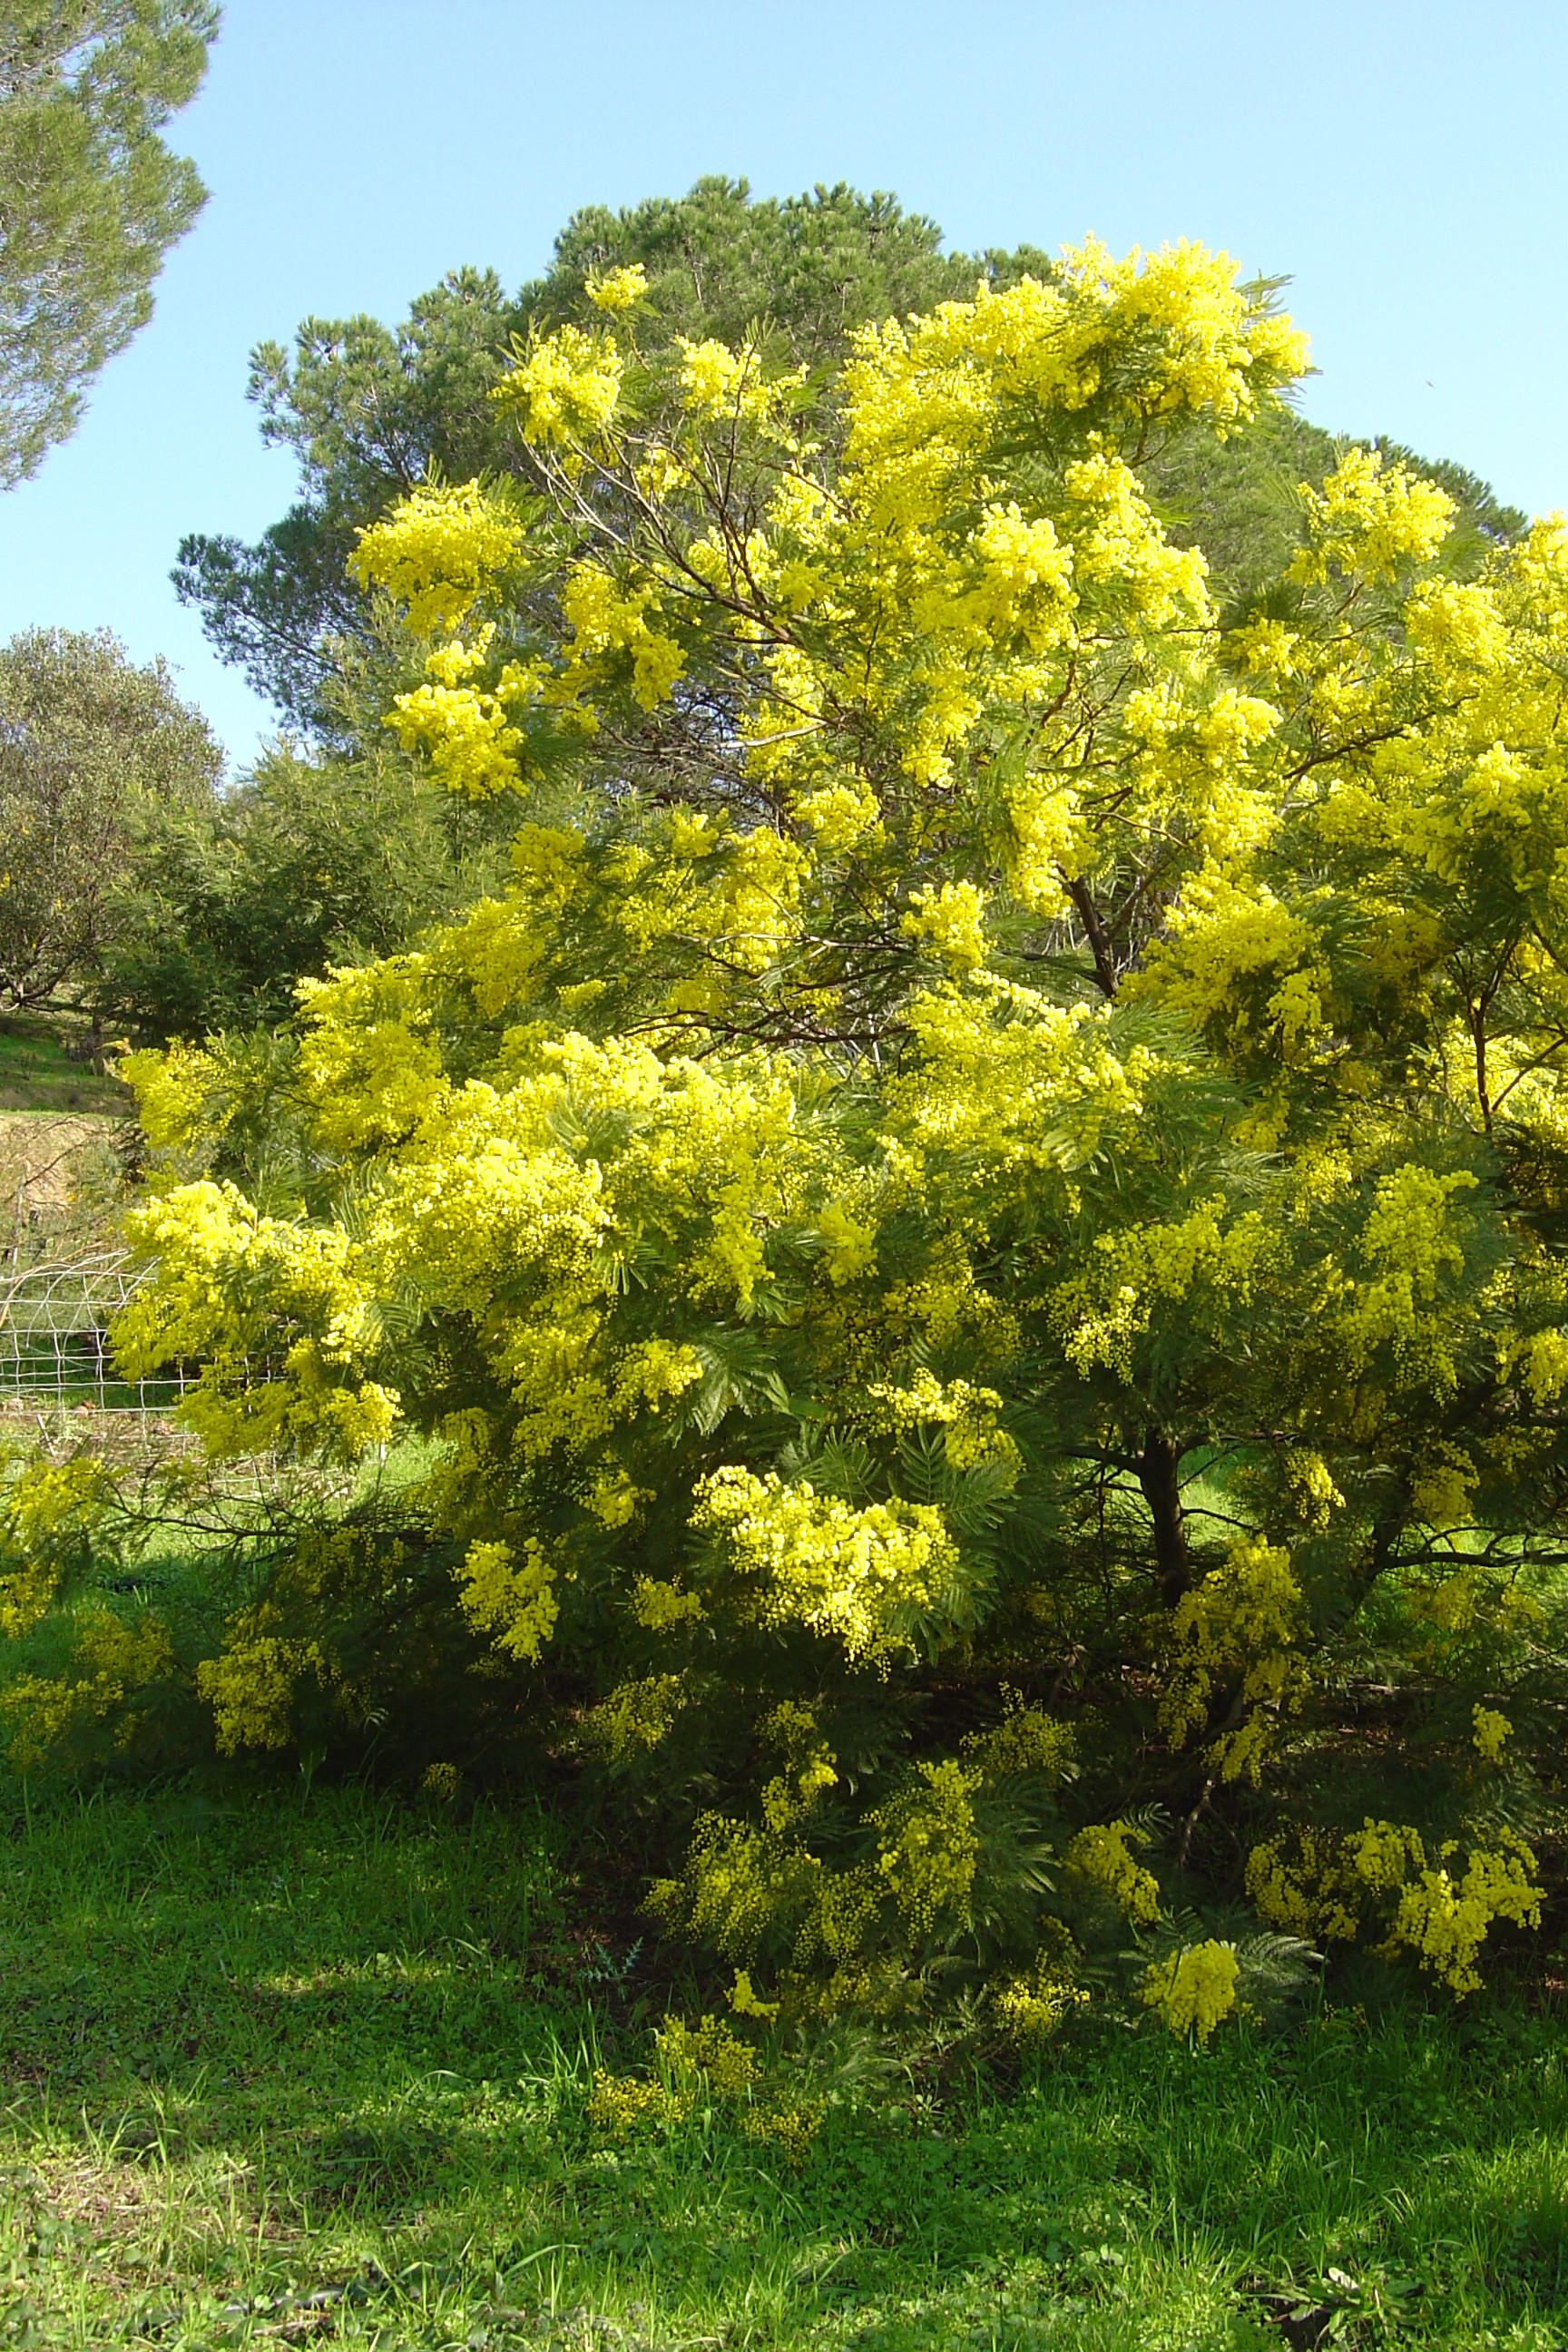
54,1348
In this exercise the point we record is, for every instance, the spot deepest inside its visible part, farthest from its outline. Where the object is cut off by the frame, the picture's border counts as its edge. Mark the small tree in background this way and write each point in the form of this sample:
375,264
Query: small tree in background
86,740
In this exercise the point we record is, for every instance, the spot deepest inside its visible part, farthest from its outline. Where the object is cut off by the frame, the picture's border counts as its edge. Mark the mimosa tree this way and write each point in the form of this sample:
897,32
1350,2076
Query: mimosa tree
980,1233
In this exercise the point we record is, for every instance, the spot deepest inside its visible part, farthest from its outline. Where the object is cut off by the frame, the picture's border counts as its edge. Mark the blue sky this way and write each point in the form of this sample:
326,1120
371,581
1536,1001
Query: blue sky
1407,165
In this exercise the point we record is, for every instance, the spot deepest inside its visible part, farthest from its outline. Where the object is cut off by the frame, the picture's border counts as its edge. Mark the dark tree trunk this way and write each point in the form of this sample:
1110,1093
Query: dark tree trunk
1094,931
1157,1467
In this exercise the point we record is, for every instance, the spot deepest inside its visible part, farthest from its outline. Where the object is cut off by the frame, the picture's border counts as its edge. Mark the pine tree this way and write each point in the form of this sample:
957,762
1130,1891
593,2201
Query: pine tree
91,197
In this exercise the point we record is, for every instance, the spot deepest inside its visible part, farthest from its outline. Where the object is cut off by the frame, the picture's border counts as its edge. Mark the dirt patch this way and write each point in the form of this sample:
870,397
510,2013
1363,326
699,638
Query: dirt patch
41,1155
103,2196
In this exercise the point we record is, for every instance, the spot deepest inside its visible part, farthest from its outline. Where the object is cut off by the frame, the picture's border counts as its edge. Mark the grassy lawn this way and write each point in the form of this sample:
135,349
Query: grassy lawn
37,1073
278,2070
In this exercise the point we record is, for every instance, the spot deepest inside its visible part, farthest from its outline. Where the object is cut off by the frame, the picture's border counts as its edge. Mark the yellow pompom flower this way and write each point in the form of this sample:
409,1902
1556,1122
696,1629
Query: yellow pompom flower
1493,1732
928,1846
859,1575
1194,1990
1102,1855
618,289
953,920
512,1600
437,552
1373,517
567,389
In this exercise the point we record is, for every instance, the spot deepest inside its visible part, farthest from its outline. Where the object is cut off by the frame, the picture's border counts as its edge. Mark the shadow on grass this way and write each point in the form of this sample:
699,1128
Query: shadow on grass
281,2072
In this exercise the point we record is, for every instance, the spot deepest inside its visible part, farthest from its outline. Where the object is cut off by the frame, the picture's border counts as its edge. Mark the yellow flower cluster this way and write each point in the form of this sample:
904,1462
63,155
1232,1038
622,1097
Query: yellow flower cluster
953,920
1243,966
250,1688
1247,1620
1026,1739
917,394
1444,1919
1032,2007
171,1093
928,1847
437,552
717,382
1316,1885
472,743
1013,1080
1443,1487
790,2127
966,1415
735,1882
1025,588
1312,1488
1119,543
1292,1880
1410,1245
952,627
746,2002
489,1194
1102,1312
233,1285
618,289
843,1906
369,1063
741,1886
43,1504
1493,1732
695,2065
1194,1989
110,1663
868,1577
1101,1856
1543,1356
566,388
712,2050
810,1766
512,1600
608,624
620,2103
637,1714
1371,519
661,1607
851,1249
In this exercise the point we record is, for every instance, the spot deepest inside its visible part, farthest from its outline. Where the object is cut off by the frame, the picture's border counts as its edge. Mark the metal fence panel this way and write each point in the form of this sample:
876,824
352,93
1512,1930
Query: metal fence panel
55,1318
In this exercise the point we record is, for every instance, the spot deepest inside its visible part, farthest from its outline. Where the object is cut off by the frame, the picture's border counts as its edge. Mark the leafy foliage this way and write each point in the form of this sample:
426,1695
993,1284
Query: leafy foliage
226,906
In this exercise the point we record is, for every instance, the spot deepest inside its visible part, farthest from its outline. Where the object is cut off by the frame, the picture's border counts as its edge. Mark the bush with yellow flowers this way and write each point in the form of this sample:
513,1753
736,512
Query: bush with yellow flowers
702,2068
977,1243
